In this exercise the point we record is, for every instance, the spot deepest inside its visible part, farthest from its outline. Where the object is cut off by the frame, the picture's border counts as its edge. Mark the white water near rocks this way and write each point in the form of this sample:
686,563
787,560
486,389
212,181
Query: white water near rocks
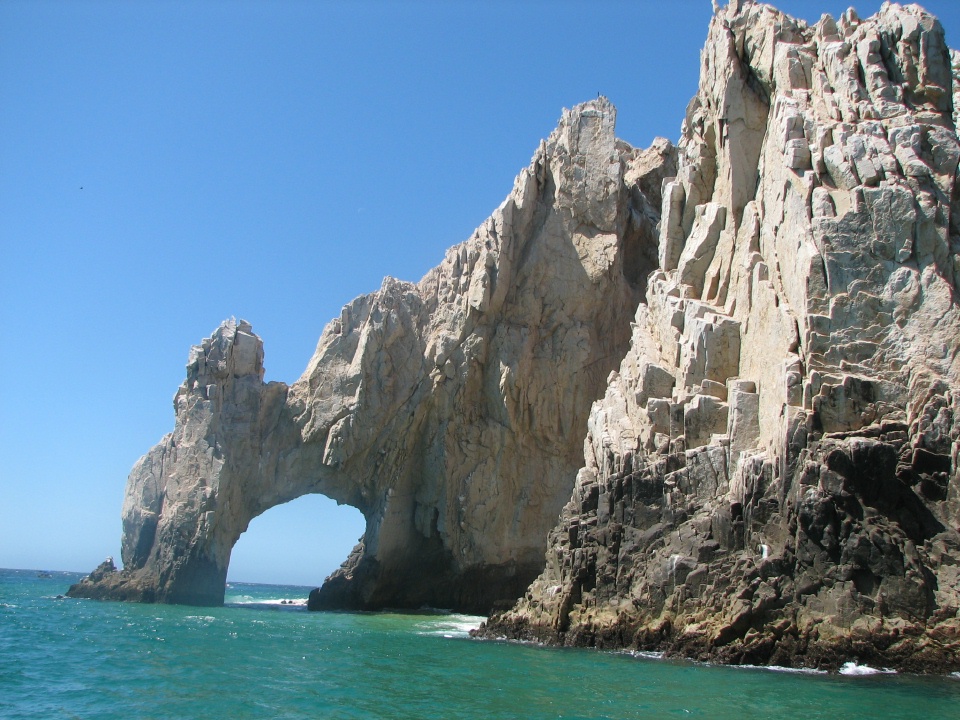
257,658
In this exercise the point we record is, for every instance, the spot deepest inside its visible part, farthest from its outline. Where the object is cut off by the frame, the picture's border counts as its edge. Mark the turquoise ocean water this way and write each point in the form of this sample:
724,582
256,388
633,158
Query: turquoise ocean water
259,657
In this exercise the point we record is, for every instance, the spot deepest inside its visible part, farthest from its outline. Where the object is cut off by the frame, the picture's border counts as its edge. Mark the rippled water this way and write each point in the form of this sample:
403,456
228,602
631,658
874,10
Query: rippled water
258,657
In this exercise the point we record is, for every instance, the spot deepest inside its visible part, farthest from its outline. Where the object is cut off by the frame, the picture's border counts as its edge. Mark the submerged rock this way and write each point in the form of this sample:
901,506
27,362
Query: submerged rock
771,476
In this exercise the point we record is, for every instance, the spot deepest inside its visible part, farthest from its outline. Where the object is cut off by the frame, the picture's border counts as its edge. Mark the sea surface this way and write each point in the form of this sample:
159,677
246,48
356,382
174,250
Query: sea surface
263,655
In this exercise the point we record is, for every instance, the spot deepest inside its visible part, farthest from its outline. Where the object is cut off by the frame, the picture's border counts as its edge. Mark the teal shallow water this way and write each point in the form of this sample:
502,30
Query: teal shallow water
258,658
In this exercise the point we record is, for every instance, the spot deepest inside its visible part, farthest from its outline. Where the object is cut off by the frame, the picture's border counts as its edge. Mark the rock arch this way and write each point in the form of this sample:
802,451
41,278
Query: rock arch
450,412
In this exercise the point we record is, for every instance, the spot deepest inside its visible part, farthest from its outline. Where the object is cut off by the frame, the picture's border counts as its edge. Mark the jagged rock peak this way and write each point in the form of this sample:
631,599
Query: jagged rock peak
451,411
772,473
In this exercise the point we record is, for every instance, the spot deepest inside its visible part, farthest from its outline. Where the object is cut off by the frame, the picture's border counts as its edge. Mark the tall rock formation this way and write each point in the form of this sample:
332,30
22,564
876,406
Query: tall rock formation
772,474
450,412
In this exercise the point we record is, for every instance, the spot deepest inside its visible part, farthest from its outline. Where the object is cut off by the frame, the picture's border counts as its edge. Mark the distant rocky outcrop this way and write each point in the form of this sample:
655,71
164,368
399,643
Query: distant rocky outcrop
451,412
772,474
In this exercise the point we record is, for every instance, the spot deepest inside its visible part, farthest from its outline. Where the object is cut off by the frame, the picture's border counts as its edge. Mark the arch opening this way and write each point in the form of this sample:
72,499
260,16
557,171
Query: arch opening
299,542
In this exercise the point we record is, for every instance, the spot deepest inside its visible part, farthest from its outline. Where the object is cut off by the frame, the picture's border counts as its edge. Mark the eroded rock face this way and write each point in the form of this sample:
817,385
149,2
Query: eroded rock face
772,473
451,412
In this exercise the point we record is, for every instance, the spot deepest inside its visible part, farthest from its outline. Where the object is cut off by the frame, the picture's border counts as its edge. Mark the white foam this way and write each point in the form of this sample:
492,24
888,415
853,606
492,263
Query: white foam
279,602
783,669
647,654
854,669
450,626
654,655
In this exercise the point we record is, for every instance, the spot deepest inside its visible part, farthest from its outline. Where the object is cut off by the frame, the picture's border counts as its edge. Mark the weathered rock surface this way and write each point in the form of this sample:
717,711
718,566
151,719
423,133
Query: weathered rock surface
451,412
772,322
772,475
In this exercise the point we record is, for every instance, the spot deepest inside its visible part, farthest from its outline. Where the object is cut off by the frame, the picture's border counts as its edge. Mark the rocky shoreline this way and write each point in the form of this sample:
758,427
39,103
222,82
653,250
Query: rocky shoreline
879,650
670,587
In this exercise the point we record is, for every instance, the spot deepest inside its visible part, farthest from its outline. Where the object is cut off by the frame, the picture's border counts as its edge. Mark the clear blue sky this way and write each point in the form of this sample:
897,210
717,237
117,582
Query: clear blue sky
166,165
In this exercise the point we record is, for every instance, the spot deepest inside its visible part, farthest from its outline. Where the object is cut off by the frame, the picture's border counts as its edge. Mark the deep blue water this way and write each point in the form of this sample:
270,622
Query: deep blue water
258,658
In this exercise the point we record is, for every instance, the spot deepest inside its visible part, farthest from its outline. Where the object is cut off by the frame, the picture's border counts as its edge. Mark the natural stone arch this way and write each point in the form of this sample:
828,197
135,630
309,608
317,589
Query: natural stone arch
450,412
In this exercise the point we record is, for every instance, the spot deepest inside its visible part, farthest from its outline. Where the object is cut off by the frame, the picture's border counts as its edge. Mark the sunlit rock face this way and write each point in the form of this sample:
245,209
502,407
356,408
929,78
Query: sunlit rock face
451,412
772,474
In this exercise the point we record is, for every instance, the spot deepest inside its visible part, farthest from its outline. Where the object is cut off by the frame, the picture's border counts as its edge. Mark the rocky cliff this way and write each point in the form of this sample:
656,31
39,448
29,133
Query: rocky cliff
768,322
451,412
772,474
